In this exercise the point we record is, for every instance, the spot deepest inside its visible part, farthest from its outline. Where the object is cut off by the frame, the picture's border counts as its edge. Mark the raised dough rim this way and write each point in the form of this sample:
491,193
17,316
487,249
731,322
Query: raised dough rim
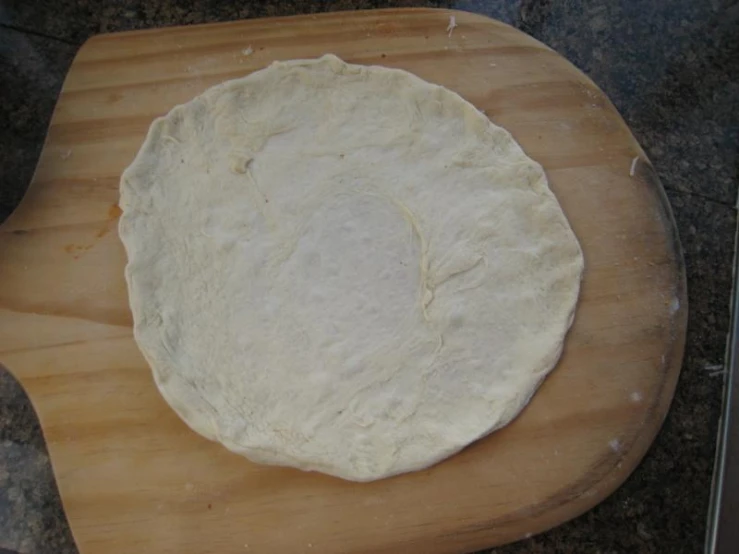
337,64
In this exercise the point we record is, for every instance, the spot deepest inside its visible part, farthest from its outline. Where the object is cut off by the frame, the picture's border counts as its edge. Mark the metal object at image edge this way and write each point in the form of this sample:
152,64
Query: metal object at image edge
723,532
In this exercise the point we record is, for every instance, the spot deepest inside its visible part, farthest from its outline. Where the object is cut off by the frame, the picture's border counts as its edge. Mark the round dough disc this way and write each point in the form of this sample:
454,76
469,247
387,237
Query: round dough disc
344,268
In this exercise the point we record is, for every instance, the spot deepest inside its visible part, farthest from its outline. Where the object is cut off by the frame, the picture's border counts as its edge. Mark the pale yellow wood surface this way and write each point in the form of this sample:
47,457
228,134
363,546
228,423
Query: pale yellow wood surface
134,478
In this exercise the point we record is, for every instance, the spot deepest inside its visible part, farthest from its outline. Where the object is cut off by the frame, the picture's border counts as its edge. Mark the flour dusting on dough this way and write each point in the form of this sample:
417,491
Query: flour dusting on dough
344,268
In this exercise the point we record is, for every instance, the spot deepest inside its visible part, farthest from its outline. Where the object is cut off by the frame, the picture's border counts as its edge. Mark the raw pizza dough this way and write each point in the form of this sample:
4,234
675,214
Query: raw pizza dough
344,268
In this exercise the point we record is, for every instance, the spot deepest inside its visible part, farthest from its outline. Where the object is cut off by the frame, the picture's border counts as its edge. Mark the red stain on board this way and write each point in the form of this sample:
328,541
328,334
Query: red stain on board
76,250
114,212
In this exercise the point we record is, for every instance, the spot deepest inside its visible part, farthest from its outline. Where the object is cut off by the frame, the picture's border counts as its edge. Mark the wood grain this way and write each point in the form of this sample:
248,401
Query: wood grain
134,478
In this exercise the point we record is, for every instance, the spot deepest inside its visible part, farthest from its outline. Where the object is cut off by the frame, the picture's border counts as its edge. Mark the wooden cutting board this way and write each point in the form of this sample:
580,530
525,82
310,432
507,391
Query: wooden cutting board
134,478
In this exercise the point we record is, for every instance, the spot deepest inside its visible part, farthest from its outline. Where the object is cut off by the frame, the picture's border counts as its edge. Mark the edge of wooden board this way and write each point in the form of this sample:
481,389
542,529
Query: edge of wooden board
601,480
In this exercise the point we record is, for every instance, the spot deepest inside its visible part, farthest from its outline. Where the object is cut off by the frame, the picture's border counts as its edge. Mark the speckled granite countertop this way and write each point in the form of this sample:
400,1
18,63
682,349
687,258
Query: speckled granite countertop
671,68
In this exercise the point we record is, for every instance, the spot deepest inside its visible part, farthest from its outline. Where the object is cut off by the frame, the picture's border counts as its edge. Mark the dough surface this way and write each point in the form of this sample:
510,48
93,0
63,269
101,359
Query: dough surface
344,268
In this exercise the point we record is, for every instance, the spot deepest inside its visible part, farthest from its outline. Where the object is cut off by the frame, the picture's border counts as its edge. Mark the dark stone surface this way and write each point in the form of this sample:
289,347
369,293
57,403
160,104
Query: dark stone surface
31,518
671,68
32,69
